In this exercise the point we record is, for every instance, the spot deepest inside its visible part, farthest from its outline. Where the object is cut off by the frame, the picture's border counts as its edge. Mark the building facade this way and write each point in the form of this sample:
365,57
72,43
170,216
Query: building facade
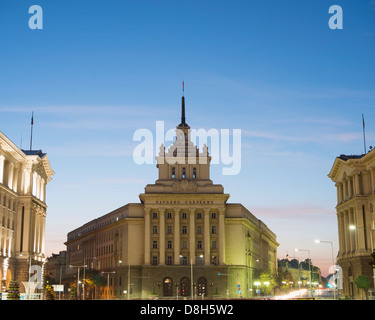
183,238
354,177
23,179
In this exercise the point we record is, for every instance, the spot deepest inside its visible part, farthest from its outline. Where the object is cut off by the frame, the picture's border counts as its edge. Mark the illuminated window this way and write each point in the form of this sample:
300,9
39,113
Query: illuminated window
194,173
173,172
183,173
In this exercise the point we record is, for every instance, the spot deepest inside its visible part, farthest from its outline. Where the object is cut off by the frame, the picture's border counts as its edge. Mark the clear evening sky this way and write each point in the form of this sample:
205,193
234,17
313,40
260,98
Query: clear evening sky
100,70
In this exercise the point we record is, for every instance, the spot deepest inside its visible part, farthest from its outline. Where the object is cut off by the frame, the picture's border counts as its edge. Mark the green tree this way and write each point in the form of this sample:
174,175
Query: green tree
268,282
362,282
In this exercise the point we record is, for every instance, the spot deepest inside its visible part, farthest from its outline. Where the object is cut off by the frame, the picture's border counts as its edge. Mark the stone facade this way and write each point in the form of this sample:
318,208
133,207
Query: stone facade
23,179
180,234
354,178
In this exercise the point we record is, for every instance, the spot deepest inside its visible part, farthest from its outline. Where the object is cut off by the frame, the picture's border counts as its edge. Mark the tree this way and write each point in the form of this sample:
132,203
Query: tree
50,293
362,282
270,281
13,291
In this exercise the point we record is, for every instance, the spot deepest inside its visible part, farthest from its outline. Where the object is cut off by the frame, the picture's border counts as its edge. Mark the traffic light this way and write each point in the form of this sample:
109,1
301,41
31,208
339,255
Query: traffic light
218,272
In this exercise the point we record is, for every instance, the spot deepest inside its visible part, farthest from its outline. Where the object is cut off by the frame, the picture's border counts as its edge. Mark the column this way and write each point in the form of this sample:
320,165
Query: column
147,236
222,235
10,175
346,231
340,224
176,236
162,236
2,160
356,184
345,190
207,236
192,235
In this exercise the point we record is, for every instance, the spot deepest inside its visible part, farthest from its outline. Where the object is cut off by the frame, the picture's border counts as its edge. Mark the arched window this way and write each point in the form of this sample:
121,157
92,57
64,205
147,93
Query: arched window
185,287
202,287
167,287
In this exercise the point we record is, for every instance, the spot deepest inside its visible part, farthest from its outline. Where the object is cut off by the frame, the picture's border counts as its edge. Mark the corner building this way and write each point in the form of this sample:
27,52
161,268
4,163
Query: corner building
181,235
24,175
354,177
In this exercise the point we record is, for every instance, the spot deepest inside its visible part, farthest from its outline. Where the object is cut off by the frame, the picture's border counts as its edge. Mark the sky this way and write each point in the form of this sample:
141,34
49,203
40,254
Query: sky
100,70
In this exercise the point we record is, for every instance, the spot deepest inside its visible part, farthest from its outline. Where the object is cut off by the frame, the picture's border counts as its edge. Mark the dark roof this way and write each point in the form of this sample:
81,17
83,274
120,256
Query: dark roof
34,153
348,157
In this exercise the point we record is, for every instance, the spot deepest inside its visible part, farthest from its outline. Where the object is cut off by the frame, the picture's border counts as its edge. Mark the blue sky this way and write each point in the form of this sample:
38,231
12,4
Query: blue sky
100,70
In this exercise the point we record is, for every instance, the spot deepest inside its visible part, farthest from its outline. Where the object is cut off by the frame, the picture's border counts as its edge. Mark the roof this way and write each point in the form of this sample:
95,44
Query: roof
34,153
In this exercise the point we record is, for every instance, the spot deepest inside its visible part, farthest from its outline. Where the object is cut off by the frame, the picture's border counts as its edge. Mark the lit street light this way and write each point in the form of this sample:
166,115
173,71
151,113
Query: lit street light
333,265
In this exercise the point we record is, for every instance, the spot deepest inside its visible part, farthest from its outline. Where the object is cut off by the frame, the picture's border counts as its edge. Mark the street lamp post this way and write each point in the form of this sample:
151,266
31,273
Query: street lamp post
333,266
108,272
310,266
84,266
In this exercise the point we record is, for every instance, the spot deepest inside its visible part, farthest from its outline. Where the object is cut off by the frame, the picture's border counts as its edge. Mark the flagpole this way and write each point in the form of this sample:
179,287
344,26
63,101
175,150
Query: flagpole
364,135
31,136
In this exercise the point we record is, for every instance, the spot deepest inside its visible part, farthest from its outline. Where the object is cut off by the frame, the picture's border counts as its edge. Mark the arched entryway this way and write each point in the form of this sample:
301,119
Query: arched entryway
202,287
167,287
185,287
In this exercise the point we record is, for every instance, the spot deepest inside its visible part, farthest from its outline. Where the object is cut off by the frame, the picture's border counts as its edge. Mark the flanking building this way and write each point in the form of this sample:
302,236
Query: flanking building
182,239
354,177
23,179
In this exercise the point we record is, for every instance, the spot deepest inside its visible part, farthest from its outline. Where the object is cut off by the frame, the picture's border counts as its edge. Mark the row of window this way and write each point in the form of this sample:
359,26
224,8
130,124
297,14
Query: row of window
184,215
184,244
183,260
184,229
183,175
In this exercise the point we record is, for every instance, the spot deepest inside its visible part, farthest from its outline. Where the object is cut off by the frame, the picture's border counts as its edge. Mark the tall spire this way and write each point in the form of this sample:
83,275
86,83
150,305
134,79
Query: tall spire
183,123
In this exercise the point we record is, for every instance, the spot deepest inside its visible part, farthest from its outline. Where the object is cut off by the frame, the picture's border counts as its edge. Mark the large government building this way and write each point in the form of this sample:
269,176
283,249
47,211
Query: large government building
354,177
23,179
182,239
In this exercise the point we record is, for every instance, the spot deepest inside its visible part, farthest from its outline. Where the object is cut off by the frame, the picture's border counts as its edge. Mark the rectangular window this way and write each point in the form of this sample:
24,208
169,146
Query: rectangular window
184,229
169,260
183,173
173,172
194,173
199,229
169,215
199,244
184,261
184,215
199,215
154,244
213,229
184,244
213,215
154,215
169,229
154,229
154,260
169,244
213,244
